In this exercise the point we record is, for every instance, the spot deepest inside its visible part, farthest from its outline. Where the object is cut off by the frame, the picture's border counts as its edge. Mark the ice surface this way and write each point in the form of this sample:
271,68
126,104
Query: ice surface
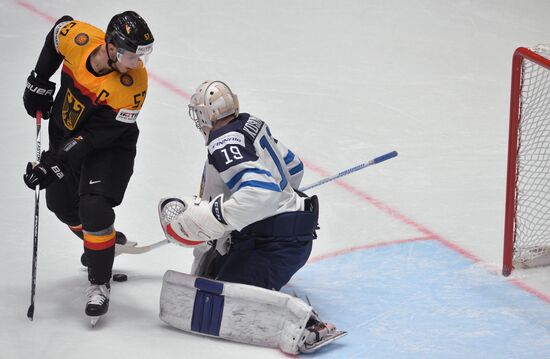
339,82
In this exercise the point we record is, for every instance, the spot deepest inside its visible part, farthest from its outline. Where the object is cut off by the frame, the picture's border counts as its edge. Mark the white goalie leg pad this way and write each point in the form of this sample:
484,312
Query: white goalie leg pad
236,312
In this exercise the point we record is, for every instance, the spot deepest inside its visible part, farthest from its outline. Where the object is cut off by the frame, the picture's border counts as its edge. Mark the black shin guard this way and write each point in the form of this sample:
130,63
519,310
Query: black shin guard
100,264
97,217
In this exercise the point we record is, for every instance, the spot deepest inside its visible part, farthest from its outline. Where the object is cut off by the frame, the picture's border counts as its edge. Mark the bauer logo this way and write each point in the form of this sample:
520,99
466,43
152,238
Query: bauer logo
57,172
38,90
127,116
230,138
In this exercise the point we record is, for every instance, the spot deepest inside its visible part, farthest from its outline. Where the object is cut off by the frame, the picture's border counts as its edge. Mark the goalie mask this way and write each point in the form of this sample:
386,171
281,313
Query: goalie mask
212,101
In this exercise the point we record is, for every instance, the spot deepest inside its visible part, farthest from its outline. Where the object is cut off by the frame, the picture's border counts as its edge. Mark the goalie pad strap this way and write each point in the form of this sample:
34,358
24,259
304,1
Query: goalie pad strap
208,307
233,311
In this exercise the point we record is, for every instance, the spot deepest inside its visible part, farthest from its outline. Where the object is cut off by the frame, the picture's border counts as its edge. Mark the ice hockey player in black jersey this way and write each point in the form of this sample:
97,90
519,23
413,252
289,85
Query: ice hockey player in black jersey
92,132
251,230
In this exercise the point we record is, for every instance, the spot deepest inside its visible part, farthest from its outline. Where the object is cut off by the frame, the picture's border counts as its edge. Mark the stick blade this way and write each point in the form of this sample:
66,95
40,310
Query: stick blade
30,312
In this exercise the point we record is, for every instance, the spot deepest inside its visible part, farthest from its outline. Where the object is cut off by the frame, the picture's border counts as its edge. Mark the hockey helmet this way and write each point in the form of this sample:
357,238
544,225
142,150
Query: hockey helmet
212,101
131,35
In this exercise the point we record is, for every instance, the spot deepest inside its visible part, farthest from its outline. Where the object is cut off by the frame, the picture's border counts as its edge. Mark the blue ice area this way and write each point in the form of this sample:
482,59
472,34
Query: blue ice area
422,300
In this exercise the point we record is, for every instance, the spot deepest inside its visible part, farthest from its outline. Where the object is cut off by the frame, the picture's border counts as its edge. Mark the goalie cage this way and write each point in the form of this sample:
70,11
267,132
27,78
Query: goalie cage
527,217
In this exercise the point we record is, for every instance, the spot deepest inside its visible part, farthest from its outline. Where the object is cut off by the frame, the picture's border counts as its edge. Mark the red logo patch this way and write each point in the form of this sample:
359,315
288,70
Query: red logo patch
81,39
126,80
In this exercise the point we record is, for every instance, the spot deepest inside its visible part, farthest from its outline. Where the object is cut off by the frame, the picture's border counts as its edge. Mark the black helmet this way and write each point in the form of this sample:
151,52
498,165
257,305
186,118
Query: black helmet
129,31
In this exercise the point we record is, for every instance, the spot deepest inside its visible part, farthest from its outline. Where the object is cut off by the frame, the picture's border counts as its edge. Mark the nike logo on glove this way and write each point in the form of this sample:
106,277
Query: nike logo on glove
94,182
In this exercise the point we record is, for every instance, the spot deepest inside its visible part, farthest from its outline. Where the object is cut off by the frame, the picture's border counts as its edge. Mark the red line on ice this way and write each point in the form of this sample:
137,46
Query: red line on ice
168,85
36,10
363,247
429,235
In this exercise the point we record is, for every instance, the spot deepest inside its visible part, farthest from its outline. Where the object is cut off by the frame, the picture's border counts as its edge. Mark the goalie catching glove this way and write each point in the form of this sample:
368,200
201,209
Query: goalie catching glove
192,221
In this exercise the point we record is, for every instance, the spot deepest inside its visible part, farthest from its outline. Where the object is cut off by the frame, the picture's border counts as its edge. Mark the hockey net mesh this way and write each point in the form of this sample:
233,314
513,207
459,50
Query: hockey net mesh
532,222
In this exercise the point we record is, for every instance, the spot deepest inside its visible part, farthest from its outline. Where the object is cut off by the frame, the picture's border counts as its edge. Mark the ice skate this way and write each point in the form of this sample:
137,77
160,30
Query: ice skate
319,334
98,301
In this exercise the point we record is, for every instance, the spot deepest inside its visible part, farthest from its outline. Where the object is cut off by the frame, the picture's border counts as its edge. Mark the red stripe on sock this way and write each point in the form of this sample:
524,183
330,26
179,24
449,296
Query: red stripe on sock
99,246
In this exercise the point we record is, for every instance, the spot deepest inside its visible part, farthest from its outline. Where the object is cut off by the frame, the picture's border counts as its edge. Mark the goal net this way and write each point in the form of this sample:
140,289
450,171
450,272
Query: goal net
527,221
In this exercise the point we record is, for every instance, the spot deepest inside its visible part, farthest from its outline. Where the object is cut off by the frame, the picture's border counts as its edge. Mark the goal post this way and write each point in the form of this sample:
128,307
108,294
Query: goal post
527,216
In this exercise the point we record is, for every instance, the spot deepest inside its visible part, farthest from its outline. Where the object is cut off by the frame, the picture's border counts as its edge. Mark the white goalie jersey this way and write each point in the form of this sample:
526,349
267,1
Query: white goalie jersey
256,173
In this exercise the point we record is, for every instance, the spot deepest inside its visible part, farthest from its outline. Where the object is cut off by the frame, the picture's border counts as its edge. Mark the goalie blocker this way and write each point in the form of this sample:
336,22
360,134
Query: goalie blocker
242,313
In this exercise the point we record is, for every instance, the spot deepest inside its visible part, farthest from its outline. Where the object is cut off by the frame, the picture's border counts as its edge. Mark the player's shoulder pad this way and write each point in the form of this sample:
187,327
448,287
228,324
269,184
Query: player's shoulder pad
70,34
234,143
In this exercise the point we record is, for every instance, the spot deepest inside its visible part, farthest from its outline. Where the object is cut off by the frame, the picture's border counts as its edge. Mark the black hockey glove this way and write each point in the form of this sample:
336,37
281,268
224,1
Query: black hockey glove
38,95
44,172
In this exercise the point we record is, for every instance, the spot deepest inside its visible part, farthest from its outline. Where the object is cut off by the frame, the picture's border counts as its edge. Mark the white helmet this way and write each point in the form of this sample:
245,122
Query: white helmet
212,101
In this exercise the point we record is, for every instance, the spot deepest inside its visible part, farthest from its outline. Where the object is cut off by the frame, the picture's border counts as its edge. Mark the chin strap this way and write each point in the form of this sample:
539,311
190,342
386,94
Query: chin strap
109,61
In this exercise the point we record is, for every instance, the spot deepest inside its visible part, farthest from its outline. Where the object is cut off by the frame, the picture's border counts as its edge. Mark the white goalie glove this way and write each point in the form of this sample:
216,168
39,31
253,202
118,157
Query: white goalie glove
191,221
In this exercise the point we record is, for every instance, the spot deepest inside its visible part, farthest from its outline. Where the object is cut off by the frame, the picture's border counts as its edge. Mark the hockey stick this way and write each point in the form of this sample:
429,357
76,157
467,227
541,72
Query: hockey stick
374,161
120,249
387,156
30,312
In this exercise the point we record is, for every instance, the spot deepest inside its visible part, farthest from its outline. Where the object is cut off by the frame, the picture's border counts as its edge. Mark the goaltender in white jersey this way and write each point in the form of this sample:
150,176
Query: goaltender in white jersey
245,164
252,230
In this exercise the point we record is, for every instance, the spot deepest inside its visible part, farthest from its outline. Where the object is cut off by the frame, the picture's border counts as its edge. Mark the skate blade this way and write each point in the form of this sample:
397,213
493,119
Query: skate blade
325,341
94,320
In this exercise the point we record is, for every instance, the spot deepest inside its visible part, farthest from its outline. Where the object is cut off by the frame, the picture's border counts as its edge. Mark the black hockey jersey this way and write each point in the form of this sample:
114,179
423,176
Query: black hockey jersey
100,110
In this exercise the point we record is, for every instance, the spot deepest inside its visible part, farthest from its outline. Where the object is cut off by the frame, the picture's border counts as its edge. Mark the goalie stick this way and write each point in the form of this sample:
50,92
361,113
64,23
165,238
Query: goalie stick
30,311
374,161
144,249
